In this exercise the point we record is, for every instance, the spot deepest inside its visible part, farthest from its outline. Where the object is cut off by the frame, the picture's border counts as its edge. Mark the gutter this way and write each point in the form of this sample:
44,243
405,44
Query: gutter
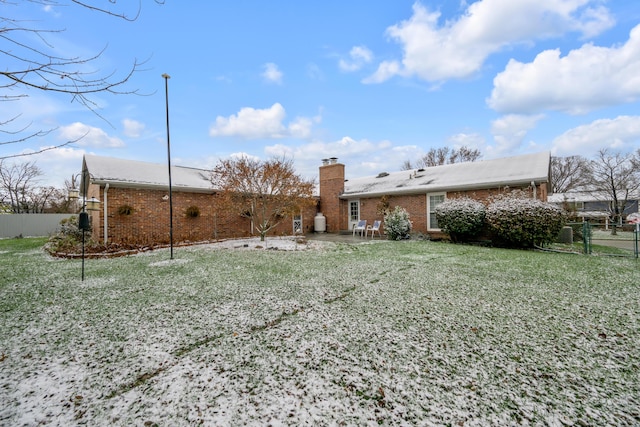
418,189
153,186
105,222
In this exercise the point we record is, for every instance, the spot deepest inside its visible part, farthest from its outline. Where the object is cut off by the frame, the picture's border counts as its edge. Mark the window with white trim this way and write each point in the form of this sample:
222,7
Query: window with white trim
433,200
354,210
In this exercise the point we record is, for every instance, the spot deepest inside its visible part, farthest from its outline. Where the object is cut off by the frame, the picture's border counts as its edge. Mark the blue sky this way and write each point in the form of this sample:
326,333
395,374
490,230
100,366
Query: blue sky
373,83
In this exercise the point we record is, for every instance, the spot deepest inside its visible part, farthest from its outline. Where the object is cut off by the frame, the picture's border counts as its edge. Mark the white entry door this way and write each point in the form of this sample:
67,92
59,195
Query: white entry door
354,213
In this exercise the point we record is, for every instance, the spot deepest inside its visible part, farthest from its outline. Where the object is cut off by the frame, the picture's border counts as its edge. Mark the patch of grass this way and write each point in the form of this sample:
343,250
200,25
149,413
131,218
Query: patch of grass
397,333
21,245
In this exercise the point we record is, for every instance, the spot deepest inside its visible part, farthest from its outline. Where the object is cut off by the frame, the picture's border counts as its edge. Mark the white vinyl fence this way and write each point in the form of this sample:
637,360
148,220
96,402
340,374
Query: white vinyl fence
30,225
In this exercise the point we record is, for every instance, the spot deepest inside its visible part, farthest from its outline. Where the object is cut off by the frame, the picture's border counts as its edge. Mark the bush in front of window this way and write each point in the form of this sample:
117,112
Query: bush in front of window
462,219
518,221
397,224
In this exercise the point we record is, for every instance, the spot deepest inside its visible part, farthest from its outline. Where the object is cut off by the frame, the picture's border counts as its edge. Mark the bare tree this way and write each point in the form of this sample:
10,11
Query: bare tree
267,192
615,178
17,182
443,156
569,173
31,62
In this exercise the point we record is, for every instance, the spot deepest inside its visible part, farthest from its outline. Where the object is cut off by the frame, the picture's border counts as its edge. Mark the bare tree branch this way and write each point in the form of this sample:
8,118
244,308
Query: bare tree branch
569,173
614,178
28,67
443,156
266,192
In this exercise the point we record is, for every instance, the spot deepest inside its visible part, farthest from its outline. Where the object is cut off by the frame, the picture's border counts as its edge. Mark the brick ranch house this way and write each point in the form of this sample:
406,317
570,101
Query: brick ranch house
345,202
135,199
134,204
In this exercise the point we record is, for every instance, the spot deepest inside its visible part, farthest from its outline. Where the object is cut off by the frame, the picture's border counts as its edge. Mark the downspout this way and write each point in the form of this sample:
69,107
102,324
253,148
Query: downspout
533,184
106,237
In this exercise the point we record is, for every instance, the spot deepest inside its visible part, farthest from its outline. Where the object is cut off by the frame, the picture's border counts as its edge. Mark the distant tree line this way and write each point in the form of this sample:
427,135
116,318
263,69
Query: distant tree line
21,192
443,156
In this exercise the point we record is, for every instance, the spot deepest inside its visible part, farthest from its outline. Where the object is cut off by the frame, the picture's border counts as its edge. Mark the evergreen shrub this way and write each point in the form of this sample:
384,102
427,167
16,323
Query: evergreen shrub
462,219
519,221
397,224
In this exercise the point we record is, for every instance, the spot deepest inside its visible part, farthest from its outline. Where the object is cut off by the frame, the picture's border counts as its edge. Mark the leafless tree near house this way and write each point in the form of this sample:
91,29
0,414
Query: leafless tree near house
443,156
267,192
17,181
569,173
31,62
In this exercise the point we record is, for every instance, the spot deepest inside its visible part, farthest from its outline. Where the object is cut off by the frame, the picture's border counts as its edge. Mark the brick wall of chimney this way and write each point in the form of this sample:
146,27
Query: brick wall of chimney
331,187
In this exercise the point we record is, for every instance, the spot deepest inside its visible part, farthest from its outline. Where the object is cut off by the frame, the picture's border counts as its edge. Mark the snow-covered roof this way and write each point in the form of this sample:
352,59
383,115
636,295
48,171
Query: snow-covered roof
137,174
507,171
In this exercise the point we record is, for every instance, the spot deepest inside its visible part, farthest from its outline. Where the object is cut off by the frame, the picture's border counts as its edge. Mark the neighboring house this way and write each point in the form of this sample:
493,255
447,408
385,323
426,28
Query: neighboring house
587,205
135,209
344,202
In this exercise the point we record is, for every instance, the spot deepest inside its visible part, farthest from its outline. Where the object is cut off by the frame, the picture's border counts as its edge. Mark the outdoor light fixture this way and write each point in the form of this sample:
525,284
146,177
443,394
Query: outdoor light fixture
93,204
74,194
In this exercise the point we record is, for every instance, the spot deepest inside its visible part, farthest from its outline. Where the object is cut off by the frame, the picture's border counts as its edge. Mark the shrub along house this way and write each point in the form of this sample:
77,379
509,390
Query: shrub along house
135,204
419,191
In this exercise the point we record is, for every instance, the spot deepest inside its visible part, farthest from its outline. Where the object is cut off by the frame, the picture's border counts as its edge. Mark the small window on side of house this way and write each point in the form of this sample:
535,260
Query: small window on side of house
433,200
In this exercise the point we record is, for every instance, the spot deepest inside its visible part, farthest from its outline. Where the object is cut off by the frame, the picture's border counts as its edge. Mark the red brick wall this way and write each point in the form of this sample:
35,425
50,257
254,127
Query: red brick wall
149,222
416,205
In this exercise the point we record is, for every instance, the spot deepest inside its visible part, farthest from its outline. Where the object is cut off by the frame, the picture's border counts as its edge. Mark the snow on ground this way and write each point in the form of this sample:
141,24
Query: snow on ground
396,333
284,243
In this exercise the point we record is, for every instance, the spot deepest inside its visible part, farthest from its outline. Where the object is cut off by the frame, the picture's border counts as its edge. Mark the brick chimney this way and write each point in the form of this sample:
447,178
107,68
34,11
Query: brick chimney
331,186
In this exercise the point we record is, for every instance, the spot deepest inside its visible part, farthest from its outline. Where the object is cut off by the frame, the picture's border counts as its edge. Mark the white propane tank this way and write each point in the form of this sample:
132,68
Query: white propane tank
319,223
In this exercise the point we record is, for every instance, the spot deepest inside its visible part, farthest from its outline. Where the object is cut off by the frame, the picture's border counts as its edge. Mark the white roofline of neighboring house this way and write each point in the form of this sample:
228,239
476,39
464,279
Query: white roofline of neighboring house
586,196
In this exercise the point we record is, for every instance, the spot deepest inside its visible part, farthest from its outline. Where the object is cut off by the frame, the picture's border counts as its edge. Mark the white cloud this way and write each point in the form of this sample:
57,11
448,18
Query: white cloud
458,48
272,73
58,165
88,136
133,128
621,133
358,57
48,8
361,157
471,140
587,78
509,132
385,71
251,123
314,72
243,155
300,127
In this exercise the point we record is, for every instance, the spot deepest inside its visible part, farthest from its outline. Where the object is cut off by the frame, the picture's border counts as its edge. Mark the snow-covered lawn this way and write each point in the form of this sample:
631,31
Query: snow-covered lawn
391,333
606,235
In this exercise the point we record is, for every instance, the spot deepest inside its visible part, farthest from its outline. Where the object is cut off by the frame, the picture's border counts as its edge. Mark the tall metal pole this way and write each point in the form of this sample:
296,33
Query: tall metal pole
166,92
84,212
83,231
